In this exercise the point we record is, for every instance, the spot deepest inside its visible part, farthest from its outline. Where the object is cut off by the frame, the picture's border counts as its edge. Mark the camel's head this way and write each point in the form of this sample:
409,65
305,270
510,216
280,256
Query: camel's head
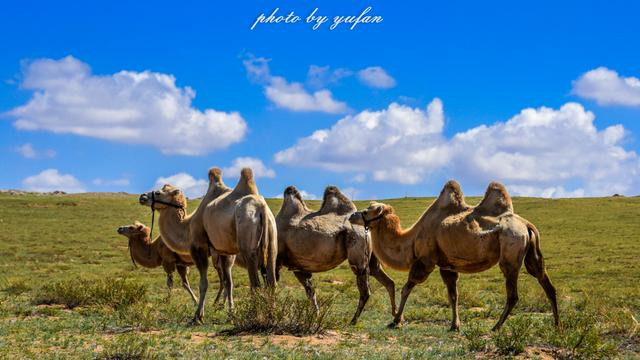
135,230
369,217
335,201
451,195
168,196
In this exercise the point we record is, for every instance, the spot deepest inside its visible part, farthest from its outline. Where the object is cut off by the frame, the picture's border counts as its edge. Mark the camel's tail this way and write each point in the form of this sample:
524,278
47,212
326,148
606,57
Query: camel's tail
269,243
533,251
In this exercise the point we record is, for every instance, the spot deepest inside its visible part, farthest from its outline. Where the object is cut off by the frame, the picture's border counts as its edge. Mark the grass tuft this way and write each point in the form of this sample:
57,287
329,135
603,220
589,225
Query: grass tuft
474,333
116,293
513,337
278,312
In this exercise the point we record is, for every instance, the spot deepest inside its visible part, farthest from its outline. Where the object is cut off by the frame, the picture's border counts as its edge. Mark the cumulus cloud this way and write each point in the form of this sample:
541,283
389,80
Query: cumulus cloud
376,77
51,180
192,187
258,167
128,106
28,151
383,141
606,87
291,95
543,151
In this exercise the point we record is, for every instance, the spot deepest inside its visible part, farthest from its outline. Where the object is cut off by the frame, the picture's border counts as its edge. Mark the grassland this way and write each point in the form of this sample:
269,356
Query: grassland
67,246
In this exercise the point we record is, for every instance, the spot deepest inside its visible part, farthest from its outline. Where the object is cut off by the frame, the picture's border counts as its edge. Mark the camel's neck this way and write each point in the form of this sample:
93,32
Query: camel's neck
144,253
174,227
392,244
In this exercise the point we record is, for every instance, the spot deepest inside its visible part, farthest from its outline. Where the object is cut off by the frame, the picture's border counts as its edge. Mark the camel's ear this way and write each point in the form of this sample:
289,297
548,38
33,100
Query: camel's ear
139,226
388,209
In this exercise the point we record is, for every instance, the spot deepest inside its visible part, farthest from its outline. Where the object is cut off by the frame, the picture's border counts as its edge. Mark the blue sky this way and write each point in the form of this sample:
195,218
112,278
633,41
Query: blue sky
435,91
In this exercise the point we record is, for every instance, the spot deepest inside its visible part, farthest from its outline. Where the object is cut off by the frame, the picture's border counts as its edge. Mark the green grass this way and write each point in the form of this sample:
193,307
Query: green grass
68,289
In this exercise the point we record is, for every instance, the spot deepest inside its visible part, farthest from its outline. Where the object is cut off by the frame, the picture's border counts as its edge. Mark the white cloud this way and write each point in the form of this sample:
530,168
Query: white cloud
322,76
258,167
111,182
29,152
376,77
374,140
130,107
606,87
192,187
543,151
51,180
291,95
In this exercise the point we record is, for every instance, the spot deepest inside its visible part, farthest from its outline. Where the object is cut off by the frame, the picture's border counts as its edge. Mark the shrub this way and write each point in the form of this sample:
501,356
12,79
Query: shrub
117,293
127,347
580,336
512,338
474,333
276,311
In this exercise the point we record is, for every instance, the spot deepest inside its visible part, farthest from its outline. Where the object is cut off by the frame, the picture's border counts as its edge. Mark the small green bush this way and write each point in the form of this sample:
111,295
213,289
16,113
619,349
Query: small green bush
474,333
117,293
16,287
127,347
512,338
581,336
276,311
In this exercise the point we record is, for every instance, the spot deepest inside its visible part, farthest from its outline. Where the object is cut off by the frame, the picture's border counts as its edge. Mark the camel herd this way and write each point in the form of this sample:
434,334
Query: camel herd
235,226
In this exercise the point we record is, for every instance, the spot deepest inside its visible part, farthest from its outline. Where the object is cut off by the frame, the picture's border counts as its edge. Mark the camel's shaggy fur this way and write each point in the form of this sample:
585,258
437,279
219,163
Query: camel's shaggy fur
152,254
319,241
459,239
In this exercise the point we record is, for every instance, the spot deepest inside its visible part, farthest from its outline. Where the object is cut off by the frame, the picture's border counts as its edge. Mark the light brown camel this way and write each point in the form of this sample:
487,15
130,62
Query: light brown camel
177,228
459,238
319,241
237,223
152,254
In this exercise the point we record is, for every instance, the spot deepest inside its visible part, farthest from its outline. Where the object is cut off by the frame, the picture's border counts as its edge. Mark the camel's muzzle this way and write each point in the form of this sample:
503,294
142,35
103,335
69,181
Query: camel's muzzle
121,230
357,218
144,199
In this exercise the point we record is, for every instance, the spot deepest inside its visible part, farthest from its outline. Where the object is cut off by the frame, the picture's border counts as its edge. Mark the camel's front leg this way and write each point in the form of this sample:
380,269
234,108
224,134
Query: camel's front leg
362,279
215,259
183,271
226,263
419,272
450,279
305,279
201,259
169,267
376,270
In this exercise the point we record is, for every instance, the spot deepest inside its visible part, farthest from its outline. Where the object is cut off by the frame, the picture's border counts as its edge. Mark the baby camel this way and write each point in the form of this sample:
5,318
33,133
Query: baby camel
459,238
152,254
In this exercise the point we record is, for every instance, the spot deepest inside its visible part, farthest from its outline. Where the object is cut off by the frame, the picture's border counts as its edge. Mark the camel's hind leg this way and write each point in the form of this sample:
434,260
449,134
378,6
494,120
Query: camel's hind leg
253,267
450,279
376,270
534,263
183,271
418,274
201,259
512,251
305,279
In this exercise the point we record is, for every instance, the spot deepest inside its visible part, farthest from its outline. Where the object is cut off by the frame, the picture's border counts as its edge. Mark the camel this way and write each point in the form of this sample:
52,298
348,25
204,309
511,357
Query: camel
152,254
310,242
459,238
238,222
178,229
